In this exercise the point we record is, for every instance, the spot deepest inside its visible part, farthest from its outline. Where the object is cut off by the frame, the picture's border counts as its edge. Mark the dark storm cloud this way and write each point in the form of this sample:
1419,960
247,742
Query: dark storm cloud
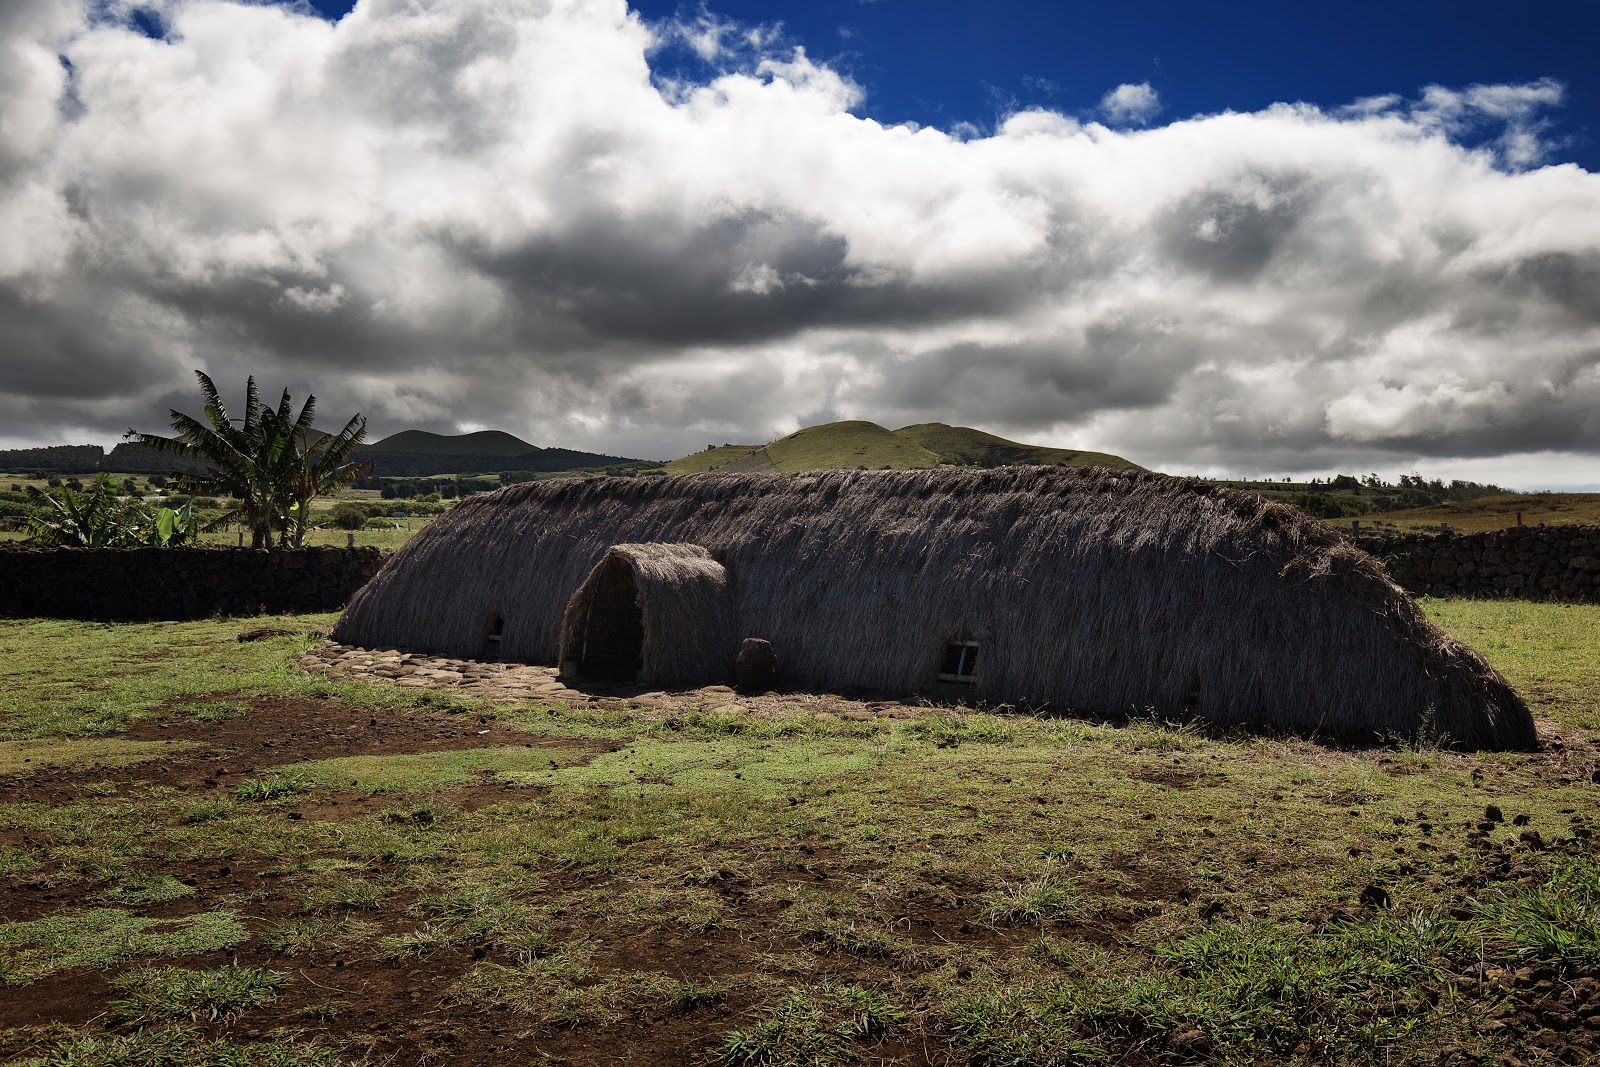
1232,234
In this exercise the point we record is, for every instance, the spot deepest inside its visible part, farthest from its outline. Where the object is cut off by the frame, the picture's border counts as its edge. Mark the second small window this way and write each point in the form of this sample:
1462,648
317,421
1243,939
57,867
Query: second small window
960,663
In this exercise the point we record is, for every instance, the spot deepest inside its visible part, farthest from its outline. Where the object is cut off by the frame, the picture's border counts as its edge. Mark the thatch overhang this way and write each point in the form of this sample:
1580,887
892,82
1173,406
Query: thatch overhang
1100,591
655,613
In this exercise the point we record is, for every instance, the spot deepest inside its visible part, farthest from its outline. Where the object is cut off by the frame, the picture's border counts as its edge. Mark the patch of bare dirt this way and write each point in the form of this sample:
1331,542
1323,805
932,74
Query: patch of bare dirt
274,731
525,681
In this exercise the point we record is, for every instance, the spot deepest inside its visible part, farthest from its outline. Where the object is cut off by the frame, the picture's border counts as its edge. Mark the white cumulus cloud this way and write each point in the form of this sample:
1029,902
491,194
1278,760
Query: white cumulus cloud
456,213
1135,103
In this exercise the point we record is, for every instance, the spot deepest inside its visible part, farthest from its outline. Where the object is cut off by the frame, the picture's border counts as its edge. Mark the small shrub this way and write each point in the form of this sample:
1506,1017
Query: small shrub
1051,896
349,516
161,994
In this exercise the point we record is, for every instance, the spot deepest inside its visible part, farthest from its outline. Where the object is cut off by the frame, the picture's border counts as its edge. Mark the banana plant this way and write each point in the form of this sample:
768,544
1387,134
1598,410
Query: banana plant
176,528
95,518
269,460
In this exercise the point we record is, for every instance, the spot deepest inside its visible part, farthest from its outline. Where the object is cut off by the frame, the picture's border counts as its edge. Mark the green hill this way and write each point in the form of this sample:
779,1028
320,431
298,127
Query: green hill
965,447
721,458
482,443
854,444
847,444
414,453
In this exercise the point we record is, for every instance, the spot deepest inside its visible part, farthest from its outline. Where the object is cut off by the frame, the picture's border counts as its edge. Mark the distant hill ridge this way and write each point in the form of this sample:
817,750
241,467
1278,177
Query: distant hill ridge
415,453
480,443
409,453
419,453
853,443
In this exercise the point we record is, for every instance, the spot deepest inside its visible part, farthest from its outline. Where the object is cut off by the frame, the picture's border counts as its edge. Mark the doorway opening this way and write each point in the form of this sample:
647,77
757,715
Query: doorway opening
611,645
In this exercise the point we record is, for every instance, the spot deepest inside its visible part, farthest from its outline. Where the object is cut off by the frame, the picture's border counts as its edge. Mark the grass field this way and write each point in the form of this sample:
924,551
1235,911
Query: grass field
1496,512
210,857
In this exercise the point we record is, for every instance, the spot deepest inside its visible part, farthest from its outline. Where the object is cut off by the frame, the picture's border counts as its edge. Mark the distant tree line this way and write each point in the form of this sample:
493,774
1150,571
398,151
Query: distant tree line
451,487
441,488
125,458
1347,496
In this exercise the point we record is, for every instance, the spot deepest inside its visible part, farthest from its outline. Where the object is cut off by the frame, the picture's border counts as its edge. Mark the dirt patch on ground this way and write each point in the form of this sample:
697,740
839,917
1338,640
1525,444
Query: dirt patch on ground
1179,777
525,681
277,731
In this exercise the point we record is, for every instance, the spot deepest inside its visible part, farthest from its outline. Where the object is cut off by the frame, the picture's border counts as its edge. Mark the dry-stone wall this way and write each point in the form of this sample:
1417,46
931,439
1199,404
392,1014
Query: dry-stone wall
177,583
1526,562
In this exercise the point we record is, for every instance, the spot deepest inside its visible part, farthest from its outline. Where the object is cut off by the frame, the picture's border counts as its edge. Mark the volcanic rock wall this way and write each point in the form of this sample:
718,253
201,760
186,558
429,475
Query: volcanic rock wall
1525,562
177,583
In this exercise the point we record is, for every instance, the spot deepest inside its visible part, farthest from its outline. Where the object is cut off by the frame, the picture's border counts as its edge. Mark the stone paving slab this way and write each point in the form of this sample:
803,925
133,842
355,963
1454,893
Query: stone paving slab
532,682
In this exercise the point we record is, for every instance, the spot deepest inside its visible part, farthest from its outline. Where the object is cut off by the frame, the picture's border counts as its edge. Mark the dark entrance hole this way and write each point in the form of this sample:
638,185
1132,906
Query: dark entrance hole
613,635
491,643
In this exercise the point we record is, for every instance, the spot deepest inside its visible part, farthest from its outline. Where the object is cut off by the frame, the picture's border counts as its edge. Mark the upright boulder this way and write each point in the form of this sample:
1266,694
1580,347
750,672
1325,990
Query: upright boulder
757,666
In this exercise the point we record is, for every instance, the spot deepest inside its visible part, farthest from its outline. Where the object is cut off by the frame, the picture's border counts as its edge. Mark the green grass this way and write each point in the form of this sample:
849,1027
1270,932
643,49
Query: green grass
1547,651
71,678
847,445
722,457
1049,896
33,754
806,889
1498,512
398,533
431,770
104,937
813,1026
153,995
275,787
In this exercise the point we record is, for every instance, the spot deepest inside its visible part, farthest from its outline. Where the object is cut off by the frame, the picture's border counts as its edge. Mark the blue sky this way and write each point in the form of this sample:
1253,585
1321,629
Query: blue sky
939,62
1243,239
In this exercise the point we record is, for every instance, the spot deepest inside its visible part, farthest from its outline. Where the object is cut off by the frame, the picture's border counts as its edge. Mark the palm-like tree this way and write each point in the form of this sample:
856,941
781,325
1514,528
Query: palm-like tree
265,460
308,468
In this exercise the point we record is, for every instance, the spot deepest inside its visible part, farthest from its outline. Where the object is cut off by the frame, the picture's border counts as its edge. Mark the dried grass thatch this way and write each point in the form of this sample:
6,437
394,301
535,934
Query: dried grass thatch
661,614
1105,592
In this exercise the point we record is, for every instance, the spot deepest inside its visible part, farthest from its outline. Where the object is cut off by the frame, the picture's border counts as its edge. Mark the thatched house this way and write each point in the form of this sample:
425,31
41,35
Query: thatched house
1085,589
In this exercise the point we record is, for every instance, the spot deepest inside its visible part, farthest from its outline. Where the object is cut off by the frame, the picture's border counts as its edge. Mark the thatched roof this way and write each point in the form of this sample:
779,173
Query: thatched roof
676,595
1100,591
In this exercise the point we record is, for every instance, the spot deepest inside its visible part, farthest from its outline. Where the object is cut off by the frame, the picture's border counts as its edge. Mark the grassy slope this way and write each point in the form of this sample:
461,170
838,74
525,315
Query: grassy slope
1143,893
712,459
1498,512
846,445
976,448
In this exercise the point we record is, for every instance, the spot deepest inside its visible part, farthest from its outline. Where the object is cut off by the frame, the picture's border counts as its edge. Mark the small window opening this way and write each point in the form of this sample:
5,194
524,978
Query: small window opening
491,644
960,663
